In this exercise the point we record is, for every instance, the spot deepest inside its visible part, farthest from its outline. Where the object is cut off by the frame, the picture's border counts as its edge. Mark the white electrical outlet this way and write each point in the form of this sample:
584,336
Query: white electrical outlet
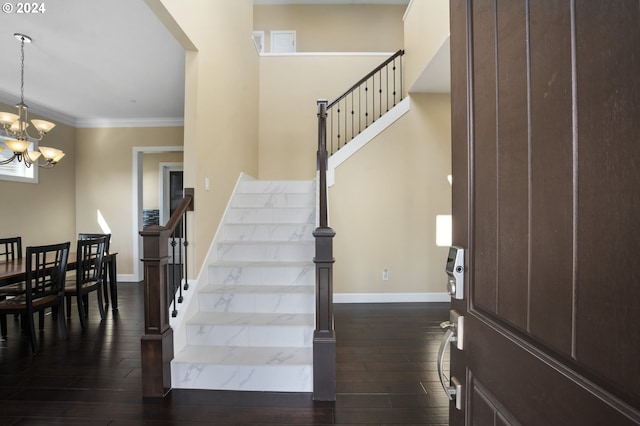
385,274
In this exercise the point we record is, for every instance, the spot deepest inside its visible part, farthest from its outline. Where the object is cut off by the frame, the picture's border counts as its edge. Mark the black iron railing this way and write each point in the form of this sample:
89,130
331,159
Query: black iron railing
161,284
365,102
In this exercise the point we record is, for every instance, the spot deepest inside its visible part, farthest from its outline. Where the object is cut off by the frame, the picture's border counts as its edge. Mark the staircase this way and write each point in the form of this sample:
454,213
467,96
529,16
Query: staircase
254,327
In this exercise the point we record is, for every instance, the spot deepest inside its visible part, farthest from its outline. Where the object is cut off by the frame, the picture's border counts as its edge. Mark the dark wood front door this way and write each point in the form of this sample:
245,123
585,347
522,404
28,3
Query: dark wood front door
546,202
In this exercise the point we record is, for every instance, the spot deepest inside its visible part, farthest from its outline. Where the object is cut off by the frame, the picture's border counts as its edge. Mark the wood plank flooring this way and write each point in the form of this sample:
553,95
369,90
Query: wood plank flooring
386,374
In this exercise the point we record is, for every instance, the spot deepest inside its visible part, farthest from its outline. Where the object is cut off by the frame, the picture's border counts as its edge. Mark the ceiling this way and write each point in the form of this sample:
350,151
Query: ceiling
100,63
108,62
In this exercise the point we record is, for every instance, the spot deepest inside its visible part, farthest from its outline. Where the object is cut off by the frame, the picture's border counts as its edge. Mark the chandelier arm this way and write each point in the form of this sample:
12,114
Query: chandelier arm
8,160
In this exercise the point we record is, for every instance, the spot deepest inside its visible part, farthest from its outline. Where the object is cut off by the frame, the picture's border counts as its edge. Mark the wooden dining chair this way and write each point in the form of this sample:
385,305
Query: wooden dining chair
105,287
88,277
11,249
46,268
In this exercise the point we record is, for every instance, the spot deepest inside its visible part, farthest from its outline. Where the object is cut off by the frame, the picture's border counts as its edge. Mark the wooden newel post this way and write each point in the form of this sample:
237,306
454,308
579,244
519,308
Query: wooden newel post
157,341
324,339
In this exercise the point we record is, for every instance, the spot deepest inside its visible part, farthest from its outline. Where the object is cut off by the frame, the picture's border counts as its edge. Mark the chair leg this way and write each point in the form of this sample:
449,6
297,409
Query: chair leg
3,325
32,333
62,321
41,320
68,297
83,320
100,302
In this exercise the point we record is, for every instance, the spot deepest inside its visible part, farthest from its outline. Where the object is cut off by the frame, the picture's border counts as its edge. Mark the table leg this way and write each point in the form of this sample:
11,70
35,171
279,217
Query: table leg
113,283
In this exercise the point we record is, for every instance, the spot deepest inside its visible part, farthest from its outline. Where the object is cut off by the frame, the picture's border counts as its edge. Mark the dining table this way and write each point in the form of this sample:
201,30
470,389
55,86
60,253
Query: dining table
15,271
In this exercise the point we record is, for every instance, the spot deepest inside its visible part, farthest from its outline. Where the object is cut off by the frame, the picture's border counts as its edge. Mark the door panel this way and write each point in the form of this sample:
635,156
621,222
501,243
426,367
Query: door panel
485,116
546,167
512,152
551,179
608,290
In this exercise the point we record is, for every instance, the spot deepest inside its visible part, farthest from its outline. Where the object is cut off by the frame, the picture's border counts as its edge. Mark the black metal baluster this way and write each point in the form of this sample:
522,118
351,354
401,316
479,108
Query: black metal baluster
394,82
380,94
373,98
353,130
174,313
185,243
359,110
366,104
338,126
387,69
180,265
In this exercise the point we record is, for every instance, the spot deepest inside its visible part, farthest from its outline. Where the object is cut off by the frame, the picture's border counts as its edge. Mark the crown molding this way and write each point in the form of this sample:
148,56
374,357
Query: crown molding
34,108
83,123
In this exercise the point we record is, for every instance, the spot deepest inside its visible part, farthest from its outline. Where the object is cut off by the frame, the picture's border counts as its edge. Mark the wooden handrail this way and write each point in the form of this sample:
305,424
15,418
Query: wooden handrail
366,77
186,205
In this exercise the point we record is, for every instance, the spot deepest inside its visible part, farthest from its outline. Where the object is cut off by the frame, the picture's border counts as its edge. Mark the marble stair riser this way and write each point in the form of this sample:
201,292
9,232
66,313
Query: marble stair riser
265,251
248,200
252,336
297,215
284,303
288,378
255,274
267,232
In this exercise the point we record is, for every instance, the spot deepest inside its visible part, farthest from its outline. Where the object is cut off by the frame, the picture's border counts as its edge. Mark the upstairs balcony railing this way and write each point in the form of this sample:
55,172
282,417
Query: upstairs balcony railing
164,281
365,102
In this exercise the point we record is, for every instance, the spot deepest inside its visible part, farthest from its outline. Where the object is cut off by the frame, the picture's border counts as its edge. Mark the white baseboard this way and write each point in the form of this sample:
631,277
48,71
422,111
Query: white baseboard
127,278
390,297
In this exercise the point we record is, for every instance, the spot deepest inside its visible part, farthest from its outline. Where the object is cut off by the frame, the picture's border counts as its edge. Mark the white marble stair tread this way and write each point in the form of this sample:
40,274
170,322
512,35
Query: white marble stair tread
252,319
245,355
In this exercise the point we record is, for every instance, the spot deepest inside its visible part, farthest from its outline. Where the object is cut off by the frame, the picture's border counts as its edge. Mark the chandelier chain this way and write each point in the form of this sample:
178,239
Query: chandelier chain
22,71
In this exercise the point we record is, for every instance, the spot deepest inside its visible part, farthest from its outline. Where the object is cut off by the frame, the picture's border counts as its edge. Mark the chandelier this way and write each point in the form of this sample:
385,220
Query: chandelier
15,128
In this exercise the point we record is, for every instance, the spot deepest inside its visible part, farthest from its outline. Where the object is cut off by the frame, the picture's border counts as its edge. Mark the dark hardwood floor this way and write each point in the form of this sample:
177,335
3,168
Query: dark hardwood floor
386,374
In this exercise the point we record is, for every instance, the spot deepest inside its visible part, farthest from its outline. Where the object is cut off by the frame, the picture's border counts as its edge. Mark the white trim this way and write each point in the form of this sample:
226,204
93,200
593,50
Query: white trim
390,297
386,54
91,123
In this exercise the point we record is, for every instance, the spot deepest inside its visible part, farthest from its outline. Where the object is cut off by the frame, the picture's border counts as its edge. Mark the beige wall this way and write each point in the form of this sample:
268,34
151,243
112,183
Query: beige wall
385,201
426,27
104,181
42,213
289,89
221,104
334,28
152,178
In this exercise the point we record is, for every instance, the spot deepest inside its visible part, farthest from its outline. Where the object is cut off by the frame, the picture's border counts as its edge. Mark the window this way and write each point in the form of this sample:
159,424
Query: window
17,171
283,41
